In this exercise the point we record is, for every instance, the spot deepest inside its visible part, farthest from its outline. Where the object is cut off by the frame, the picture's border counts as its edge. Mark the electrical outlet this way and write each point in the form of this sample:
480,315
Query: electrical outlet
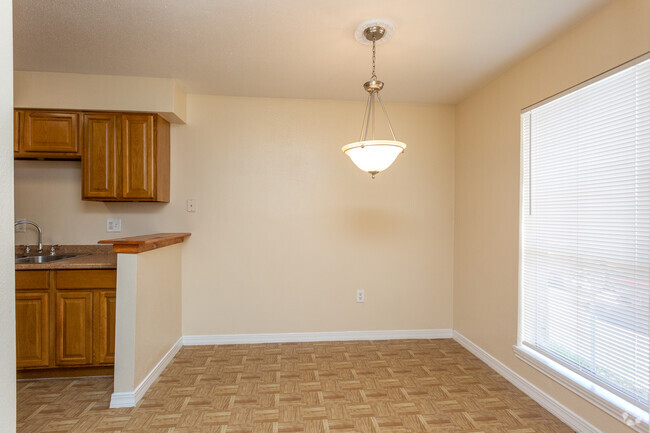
114,225
20,228
361,296
191,205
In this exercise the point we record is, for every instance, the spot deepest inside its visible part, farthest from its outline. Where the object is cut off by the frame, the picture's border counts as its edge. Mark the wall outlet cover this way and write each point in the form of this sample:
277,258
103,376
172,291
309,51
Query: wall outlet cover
113,225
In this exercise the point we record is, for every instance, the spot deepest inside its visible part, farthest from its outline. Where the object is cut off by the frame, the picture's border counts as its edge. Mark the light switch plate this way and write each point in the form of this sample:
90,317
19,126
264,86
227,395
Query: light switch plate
113,225
191,205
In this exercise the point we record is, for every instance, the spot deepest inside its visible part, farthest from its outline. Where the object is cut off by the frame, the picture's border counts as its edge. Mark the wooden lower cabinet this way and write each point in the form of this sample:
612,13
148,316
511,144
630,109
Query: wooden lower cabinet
104,337
74,327
65,319
32,329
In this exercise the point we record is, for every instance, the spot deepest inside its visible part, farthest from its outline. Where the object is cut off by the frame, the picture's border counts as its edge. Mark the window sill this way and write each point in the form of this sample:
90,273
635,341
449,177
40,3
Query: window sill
633,416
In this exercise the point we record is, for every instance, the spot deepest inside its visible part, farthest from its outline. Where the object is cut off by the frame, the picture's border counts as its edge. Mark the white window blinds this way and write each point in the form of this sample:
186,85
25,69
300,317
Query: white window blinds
585,234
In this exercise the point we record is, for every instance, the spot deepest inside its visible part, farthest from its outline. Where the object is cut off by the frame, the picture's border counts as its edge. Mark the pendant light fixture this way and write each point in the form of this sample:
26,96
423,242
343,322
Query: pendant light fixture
370,154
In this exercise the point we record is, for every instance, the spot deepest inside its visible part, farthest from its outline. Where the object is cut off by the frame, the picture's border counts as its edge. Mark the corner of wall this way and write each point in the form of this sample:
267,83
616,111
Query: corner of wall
7,275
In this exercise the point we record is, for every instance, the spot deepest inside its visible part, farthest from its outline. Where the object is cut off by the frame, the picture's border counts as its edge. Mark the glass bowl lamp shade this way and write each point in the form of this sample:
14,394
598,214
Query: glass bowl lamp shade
374,156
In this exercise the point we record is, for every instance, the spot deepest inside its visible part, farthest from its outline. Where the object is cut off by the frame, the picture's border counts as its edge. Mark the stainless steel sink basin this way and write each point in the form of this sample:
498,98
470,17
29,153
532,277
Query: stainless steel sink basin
45,258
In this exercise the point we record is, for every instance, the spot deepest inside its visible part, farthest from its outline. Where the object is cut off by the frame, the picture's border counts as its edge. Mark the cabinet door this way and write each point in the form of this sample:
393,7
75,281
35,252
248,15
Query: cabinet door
138,157
100,155
50,132
105,327
74,327
32,330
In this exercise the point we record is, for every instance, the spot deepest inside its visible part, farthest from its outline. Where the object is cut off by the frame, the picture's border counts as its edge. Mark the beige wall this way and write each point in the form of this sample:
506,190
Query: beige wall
287,228
487,180
7,297
125,323
158,322
148,321
49,193
100,92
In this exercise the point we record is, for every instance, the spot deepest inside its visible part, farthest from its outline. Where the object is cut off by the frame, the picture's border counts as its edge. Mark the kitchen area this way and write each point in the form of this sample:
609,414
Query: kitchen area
77,302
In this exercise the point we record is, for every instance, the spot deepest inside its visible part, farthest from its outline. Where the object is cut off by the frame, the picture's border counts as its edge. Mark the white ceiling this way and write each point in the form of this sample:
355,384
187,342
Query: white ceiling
441,49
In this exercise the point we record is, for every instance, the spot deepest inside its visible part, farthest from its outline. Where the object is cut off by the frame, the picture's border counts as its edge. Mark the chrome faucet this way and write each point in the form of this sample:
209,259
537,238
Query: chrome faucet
40,233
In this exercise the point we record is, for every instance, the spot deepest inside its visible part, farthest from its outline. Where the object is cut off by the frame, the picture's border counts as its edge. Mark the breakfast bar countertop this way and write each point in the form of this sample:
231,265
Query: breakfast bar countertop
90,257
143,243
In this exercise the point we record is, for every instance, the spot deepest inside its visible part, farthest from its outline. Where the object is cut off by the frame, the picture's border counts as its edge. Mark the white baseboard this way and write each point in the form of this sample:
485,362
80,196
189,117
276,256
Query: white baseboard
293,337
130,399
565,415
122,399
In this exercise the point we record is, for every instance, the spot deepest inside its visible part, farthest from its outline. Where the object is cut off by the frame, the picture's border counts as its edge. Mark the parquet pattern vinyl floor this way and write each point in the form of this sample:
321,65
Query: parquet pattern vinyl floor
325,387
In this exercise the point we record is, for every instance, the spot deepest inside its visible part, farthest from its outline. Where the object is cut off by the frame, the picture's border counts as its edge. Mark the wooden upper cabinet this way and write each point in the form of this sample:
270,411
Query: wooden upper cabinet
138,161
101,139
124,156
47,134
74,328
134,166
32,329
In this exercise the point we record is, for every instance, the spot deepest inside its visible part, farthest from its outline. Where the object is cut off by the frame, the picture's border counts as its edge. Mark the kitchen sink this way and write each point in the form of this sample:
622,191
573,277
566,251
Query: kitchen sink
45,258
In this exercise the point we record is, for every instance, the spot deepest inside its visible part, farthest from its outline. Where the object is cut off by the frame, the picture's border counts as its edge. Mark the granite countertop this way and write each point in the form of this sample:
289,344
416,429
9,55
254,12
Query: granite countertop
94,257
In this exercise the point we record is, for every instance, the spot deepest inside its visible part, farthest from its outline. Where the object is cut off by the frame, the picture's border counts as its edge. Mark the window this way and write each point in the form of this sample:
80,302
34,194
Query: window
585,237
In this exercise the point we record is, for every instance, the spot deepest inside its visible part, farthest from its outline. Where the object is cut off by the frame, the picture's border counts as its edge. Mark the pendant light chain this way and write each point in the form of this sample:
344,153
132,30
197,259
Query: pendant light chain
374,51
373,77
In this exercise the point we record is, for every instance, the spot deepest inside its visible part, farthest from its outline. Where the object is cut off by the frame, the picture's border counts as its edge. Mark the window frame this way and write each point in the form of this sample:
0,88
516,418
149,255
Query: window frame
636,417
